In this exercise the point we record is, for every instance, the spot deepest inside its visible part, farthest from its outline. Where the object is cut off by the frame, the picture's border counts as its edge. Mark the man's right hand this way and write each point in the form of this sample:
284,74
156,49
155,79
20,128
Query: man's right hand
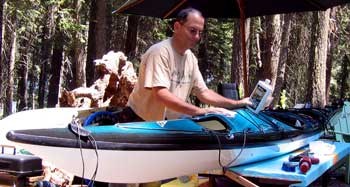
246,101
218,110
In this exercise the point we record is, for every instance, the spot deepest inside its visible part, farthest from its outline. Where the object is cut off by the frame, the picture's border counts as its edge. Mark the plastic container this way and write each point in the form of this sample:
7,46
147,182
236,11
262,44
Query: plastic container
21,165
259,96
305,164
289,166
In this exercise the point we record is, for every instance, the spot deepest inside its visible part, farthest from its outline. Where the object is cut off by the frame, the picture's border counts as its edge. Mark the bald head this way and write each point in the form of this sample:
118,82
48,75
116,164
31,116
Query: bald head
184,13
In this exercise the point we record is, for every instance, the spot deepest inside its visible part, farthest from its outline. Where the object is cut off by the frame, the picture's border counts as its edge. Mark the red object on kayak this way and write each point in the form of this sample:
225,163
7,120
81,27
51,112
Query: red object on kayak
305,164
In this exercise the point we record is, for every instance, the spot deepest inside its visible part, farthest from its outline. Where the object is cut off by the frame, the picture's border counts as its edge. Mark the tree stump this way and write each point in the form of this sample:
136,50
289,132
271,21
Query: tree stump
116,80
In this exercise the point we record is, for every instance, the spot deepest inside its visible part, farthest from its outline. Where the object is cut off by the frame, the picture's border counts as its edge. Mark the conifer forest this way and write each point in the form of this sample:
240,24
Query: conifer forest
50,45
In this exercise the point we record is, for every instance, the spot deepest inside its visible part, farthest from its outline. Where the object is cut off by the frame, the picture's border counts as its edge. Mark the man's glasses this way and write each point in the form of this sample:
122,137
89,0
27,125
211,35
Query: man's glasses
193,31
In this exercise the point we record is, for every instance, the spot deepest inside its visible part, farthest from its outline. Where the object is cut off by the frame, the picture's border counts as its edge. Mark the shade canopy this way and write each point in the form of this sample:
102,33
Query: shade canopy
226,9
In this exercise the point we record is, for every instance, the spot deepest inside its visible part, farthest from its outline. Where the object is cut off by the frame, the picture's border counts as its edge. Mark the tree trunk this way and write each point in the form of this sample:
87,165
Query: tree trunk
97,41
203,55
203,60
318,56
119,29
237,64
32,78
2,7
237,61
297,62
344,76
10,68
283,58
91,48
56,66
22,94
101,28
78,56
271,48
46,51
42,84
332,47
131,36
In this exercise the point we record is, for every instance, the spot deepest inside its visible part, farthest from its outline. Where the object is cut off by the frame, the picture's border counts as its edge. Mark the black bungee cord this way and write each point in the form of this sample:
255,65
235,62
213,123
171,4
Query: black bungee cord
76,128
225,167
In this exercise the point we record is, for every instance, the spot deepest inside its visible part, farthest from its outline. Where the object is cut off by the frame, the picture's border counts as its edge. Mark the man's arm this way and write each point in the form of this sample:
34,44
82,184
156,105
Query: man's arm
174,103
210,97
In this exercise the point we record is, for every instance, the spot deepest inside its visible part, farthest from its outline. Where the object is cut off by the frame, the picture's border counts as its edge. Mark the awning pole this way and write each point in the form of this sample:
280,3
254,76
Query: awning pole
244,48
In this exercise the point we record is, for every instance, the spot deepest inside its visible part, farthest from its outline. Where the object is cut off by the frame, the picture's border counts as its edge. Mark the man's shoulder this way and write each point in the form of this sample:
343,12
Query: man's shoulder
164,44
158,50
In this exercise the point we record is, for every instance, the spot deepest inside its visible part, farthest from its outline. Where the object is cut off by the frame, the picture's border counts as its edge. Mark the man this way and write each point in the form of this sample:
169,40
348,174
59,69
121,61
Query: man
169,73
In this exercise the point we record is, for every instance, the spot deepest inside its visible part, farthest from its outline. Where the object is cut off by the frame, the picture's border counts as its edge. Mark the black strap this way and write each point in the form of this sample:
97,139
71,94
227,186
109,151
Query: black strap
128,115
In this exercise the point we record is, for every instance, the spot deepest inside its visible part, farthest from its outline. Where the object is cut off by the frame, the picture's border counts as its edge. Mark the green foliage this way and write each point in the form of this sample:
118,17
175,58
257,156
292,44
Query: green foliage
68,23
31,20
160,33
341,26
219,50
240,90
283,99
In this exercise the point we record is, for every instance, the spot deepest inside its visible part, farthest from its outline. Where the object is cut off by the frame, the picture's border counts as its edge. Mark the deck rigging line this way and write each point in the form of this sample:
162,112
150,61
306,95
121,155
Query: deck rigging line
225,167
79,131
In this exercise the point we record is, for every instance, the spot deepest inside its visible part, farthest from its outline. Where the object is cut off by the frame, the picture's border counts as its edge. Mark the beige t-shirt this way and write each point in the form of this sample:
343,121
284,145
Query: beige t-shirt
162,66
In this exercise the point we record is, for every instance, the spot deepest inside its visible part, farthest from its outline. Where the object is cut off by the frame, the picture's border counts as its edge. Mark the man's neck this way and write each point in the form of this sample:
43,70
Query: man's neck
177,46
